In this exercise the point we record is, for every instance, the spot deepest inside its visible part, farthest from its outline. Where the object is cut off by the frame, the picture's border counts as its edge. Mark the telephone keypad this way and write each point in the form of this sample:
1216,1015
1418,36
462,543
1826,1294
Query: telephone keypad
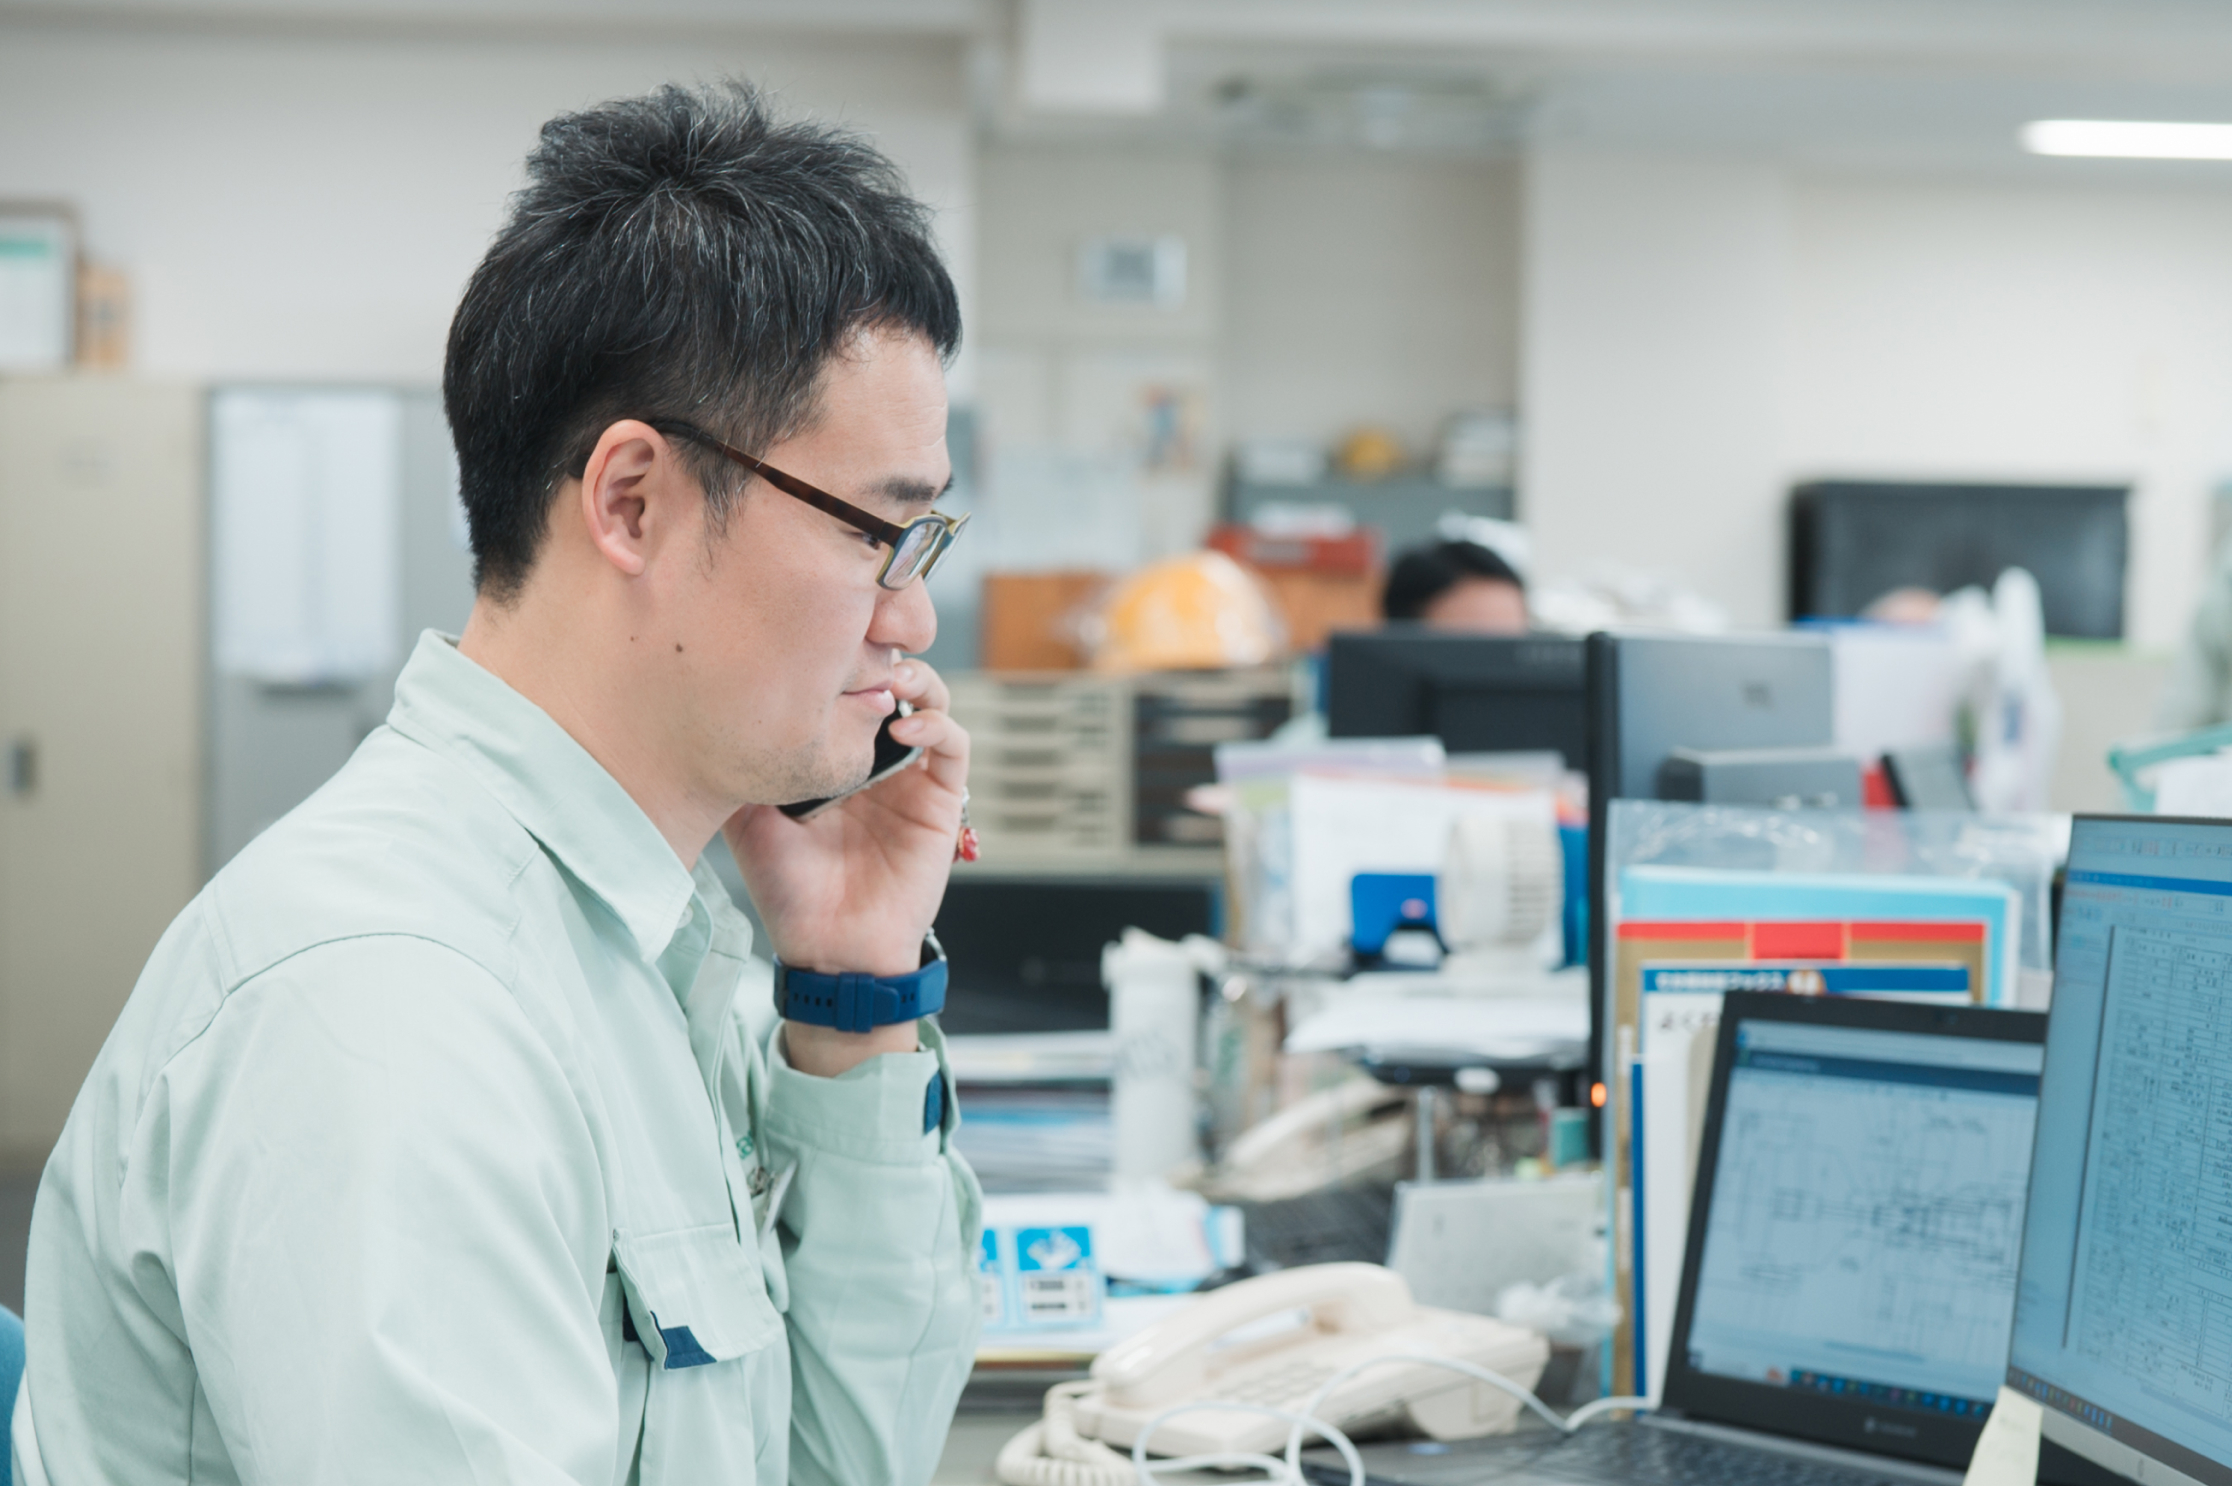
1284,1387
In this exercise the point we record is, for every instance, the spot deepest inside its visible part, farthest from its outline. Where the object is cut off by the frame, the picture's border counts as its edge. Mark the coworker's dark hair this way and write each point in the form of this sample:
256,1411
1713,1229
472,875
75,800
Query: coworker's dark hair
680,255
1423,574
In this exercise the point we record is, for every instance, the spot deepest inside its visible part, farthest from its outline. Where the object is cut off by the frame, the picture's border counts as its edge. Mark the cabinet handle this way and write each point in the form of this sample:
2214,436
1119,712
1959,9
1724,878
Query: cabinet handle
23,765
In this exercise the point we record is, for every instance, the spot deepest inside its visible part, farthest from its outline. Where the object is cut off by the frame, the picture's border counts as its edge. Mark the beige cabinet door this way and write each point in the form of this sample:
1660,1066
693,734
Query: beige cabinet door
101,661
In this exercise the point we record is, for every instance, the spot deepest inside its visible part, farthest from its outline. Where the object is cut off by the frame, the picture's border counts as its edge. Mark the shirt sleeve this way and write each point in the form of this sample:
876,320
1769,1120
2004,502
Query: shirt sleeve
366,1174
878,1231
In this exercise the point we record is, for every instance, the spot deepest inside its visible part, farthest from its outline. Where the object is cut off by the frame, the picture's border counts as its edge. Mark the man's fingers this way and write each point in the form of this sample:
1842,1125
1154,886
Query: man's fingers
945,744
919,682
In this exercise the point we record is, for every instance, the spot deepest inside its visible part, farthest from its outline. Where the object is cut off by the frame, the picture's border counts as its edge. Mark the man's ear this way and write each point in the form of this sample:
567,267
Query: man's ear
626,494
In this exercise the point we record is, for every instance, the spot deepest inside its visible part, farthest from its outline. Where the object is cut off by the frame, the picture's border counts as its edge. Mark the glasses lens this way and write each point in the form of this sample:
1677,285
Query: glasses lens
917,549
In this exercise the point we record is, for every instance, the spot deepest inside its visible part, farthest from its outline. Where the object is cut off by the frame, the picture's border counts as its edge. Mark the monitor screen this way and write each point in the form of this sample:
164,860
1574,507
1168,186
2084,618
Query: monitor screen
2123,1322
1477,693
1852,542
1865,1214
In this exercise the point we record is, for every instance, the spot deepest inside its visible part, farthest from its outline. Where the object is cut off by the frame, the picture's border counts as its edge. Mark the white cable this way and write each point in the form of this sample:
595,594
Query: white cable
1052,1452
1588,1411
1277,1472
1494,1379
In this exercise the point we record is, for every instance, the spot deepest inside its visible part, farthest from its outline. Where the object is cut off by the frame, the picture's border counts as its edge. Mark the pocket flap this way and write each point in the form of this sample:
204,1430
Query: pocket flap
696,1295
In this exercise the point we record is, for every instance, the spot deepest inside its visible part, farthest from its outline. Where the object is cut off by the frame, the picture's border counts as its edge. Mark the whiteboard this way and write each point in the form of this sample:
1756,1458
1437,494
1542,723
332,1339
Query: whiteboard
306,531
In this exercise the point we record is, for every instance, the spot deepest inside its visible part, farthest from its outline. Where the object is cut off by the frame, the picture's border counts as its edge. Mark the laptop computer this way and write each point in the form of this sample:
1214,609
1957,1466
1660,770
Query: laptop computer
1849,1283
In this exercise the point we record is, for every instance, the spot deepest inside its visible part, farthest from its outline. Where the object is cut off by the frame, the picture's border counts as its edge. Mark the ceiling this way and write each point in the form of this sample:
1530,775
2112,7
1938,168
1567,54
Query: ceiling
1893,82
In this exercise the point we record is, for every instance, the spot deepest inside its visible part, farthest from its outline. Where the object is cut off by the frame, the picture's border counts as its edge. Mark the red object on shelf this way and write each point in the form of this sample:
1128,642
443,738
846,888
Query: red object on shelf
1875,788
1356,553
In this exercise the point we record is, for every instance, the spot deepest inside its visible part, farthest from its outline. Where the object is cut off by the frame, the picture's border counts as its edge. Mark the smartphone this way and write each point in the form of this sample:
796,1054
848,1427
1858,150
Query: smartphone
891,756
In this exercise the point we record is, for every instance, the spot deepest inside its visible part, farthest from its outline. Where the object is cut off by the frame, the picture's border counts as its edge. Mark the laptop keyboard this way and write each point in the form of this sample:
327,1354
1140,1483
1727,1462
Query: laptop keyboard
1629,1454
1661,1457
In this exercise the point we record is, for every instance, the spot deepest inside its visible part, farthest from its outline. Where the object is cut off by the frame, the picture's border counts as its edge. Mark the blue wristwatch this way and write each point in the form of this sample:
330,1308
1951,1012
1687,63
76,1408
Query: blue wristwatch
856,1003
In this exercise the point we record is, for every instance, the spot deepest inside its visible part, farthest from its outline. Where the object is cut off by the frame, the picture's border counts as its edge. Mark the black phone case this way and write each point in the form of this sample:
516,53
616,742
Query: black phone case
891,756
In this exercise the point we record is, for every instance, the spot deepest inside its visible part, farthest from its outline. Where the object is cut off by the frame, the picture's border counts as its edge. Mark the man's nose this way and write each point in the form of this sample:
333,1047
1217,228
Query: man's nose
905,618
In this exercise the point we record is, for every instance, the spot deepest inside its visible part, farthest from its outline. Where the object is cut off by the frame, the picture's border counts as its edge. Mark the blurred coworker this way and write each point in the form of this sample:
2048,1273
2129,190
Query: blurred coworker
445,1137
2199,693
1457,586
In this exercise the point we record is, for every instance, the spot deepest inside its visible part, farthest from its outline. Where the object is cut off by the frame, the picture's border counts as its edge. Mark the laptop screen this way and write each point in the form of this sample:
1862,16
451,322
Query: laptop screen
2124,1319
1860,1237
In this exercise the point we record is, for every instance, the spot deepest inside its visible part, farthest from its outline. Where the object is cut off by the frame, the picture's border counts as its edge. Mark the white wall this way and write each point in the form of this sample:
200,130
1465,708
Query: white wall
1380,289
309,205
1063,382
1322,293
1701,334
1972,329
1654,308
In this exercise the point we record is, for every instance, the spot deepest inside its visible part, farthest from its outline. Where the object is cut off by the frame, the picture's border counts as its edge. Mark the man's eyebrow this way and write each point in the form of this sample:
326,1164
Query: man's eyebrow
901,491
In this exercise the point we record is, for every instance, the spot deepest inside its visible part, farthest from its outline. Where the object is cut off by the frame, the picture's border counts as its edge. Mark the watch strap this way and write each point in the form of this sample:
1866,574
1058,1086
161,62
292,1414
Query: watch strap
852,1001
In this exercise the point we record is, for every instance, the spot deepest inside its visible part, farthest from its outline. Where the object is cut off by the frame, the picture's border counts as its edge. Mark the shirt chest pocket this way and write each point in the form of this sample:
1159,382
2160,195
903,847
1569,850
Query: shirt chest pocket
695,1295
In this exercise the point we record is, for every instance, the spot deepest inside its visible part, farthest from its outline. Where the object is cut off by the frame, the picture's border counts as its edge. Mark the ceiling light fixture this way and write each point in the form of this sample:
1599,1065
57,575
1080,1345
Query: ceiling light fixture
2128,139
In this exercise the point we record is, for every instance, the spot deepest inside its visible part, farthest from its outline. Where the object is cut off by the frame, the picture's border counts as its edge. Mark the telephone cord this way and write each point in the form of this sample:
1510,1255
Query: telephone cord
1494,1379
1052,1453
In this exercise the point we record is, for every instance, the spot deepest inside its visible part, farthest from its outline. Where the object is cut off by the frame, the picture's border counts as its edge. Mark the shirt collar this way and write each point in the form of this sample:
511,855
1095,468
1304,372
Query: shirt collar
562,797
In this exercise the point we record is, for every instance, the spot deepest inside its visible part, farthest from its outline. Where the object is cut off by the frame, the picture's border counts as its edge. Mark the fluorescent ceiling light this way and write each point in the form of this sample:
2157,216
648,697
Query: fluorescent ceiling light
2129,139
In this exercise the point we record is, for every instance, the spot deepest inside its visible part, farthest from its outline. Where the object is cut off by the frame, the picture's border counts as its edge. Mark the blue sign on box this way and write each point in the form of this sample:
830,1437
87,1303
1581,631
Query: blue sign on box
1039,1277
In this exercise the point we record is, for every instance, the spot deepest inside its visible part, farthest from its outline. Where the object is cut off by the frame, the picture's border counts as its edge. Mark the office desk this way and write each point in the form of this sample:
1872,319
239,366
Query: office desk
976,1440
973,1445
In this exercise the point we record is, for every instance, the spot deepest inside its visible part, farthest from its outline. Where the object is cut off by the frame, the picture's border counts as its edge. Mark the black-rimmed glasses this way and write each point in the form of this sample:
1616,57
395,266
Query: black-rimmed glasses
914,548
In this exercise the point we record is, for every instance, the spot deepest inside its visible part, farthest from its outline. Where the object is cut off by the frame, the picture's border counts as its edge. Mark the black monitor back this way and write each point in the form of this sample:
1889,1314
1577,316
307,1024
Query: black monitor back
1851,542
1477,693
1652,694
1025,954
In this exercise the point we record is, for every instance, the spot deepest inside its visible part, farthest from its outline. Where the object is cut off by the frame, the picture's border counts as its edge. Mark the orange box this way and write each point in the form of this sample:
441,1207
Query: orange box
1315,604
1024,622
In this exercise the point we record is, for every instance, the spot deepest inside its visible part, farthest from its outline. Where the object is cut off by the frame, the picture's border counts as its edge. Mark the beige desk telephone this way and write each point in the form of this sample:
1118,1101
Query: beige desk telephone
1275,1340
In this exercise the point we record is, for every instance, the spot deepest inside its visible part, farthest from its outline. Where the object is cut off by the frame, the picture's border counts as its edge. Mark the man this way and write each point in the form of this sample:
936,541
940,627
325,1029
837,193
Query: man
446,1136
1456,586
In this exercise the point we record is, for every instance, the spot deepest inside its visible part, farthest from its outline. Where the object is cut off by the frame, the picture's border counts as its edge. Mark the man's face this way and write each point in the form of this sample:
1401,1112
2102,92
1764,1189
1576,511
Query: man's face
789,674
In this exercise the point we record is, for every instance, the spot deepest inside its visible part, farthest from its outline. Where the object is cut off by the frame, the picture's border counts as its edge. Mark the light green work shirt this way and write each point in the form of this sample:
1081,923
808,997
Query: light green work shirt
445,1139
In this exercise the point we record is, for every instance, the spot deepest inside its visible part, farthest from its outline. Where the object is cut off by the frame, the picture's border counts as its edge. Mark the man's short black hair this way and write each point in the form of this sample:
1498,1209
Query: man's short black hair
1423,574
681,255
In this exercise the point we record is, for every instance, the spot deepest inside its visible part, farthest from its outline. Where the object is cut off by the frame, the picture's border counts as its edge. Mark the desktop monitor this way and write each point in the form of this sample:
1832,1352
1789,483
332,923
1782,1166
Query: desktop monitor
1851,542
2123,1304
1649,695
1477,693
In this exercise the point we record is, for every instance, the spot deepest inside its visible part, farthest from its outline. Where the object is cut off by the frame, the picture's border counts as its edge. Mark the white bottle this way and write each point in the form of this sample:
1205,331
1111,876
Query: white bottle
1154,1012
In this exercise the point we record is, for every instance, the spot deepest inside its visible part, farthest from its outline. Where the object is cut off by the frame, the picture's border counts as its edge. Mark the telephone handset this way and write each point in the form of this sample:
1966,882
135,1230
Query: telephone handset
891,756
1334,1138
1275,1340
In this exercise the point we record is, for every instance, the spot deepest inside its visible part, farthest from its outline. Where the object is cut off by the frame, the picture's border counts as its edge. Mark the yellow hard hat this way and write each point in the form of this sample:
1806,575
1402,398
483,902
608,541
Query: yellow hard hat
1196,612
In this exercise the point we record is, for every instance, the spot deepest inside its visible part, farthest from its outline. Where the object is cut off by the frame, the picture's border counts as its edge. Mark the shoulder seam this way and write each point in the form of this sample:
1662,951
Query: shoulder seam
233,987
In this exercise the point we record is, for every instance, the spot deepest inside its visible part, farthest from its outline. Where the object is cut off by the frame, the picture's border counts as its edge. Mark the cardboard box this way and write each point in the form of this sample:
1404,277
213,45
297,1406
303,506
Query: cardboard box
1027,619
1313,604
